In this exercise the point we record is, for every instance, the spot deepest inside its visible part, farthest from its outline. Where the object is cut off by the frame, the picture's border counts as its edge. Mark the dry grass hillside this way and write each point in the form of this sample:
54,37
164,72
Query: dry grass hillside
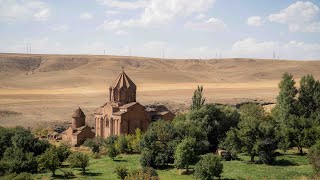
41,89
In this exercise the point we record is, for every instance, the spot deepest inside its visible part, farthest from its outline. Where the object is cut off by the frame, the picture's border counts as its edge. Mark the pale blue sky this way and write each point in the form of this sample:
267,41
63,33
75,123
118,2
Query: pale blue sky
180,28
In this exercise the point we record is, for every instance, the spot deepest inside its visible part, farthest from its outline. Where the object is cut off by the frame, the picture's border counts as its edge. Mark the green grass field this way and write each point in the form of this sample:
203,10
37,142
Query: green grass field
289,166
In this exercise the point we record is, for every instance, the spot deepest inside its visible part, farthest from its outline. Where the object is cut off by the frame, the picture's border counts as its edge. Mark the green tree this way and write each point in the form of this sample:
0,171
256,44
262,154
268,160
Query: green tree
5,139
309,96
249,133
79,160
49,160
208,167
18,161
286,100
298,131
158,144
186,154
63,152
198,100
187,128
214,122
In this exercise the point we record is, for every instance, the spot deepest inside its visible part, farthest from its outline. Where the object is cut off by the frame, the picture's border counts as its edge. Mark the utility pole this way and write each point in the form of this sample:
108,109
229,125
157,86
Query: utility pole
274,54
163,53
220,54
104,52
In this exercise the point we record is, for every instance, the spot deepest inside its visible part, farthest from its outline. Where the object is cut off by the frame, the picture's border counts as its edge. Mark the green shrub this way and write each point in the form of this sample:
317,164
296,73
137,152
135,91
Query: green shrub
21,176
68,173
121,172
3,168
266,150
149,170
122,144
96,155
147,173
79,160
112,152
110,141
208,167
185,153
146,158
135,144
314,157
94,144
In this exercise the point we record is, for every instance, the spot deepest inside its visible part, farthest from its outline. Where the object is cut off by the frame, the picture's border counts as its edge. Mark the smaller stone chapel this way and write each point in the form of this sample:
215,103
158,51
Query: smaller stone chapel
78,132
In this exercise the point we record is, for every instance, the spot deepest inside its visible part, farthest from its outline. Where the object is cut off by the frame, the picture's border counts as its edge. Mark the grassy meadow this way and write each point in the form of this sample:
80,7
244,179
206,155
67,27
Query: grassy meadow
287,166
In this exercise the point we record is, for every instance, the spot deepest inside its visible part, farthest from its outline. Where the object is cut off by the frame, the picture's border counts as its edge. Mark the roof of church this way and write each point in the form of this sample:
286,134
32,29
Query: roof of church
119,113
123,81
78,113
128,105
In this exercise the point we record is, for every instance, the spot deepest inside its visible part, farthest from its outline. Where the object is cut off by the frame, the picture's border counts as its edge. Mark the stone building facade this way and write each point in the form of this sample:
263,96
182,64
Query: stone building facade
122,114
78,132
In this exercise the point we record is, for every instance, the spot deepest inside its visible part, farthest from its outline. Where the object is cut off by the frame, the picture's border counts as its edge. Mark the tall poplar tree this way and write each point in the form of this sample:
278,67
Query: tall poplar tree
198,100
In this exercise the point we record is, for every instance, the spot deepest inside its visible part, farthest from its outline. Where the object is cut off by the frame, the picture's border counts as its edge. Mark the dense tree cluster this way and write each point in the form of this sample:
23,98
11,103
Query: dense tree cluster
19,150
189,136
298,112
294,122
21,153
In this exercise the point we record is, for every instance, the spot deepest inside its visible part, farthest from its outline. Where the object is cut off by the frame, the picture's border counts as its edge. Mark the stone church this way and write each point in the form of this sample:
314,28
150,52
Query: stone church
122,114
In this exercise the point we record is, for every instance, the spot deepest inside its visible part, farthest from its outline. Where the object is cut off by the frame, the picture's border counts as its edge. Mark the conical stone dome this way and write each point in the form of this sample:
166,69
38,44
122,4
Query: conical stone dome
78,118
123,90
78,113
123,81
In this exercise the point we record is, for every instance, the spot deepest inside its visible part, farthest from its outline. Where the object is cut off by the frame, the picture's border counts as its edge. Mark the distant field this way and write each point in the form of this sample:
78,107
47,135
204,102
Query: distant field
290,166
46,89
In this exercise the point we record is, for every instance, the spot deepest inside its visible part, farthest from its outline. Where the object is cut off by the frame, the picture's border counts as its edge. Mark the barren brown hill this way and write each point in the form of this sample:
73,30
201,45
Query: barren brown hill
41,89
